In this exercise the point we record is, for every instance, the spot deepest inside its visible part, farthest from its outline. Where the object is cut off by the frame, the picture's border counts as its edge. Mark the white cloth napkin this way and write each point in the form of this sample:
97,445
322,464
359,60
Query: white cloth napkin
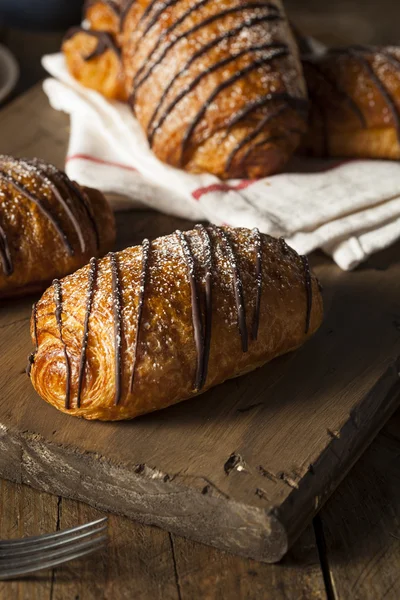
350,209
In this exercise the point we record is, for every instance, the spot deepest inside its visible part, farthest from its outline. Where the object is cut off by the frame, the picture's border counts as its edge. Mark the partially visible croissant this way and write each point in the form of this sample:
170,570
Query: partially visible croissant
355,103
155,324
94,59
49,225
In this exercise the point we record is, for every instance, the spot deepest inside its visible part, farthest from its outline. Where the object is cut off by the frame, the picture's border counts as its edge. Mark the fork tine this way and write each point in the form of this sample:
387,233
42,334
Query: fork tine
43,558
22,550
15,572
8,544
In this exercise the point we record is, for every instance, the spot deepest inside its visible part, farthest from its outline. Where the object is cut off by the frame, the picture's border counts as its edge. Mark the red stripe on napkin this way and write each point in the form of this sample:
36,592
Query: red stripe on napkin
99,161
222,187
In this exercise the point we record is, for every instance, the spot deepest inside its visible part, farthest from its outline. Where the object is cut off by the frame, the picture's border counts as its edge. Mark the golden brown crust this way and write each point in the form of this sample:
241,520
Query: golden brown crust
94,59
104,15
355,103
228,97
49,226
105,297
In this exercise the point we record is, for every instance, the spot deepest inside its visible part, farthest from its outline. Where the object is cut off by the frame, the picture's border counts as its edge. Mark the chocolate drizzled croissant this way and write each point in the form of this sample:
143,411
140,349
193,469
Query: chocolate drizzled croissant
94,59
49,225
355,102
217,86
158,323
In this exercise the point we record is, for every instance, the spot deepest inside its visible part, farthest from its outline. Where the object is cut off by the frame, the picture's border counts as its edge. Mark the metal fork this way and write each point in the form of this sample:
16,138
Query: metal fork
27,555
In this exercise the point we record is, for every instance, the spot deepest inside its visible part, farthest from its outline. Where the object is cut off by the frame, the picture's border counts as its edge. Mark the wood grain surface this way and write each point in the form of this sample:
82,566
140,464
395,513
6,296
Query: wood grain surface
295,427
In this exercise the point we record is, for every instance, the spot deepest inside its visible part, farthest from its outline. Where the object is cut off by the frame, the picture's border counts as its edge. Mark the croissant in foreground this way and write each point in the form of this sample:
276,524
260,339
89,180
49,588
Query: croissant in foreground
155,324
49,225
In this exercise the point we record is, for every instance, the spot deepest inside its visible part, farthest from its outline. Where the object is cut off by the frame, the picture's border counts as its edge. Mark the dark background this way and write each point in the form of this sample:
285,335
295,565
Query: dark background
334,22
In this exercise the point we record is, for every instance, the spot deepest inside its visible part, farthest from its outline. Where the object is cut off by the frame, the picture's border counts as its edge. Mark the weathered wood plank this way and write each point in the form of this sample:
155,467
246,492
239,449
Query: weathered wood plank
24,512
137,563
361,524
209,574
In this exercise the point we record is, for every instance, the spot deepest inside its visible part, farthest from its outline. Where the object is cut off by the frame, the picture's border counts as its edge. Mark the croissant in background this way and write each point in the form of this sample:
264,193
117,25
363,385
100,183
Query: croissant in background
158,323
49,225
217,86
355,103
94,59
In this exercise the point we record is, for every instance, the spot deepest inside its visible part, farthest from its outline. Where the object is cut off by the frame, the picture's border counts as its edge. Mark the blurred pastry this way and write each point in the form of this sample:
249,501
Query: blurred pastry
355,103
49,225
94,59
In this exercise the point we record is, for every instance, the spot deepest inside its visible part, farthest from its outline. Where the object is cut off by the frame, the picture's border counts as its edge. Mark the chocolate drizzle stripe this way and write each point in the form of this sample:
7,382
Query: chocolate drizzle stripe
163,35
92,276
382,89
284,247
72,188
229,82
164,6
252,135
58,315
265,140
53,220
308,286
208,301
300,105
218,65
126,6
146,248
258,262
338,90
168,3
206,48
35,335
149,8
196,313
194,29
40,171
116,293
31,357
237,286
5,255
105,41
82,197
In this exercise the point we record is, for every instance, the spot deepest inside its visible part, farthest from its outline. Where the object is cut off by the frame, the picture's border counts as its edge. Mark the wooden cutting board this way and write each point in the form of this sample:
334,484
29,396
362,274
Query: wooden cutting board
243,467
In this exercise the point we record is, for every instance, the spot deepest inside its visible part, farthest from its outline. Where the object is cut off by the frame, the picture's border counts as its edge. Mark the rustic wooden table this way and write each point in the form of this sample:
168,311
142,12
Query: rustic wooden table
352,550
